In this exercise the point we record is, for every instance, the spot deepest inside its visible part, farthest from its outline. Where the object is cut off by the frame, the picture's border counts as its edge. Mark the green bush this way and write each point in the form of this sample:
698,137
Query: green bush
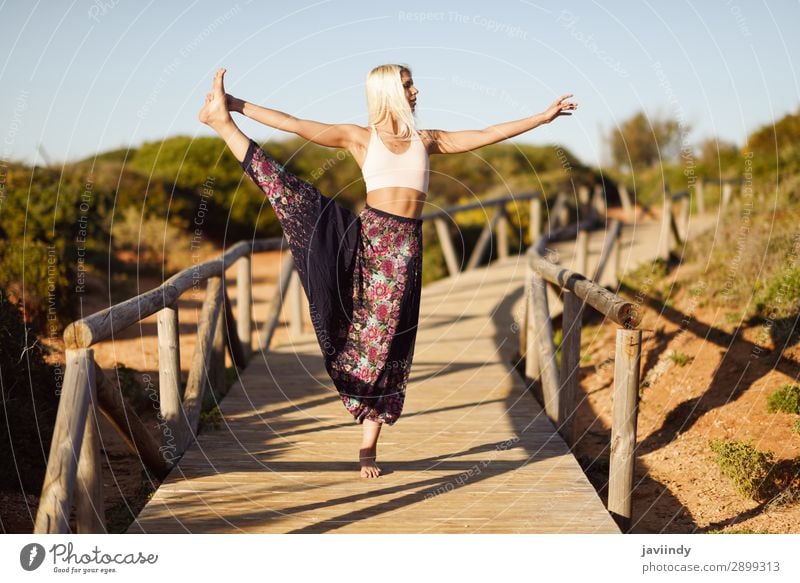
750,470
786,400
29,389
680,358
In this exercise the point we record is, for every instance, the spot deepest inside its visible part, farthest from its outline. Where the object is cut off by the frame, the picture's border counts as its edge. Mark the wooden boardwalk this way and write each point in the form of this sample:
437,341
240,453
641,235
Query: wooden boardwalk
473,451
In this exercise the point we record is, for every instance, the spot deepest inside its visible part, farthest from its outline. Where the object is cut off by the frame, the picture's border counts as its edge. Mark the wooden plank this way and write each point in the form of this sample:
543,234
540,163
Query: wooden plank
570,366
473,451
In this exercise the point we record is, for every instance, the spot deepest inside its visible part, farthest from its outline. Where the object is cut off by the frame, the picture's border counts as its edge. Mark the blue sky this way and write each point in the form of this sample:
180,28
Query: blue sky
84,76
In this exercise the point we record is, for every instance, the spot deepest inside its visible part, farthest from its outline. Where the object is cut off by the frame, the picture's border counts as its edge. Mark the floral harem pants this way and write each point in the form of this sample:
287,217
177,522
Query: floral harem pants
362,275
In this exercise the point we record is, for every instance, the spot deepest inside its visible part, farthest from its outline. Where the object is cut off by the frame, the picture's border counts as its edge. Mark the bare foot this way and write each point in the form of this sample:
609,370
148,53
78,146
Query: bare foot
215,112
367,457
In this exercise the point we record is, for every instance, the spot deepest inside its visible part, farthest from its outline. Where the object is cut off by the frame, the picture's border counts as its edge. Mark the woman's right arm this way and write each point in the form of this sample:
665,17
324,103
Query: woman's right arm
329,135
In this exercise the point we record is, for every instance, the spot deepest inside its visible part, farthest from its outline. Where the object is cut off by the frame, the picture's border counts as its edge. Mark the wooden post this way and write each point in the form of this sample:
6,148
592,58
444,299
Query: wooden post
483,240
273,313
616,258
727,190
546,347
535,226
664,234
582,252
558,215
244,301
627,205
531,348
612,235
295,304
699,192
90,514
234,345
217,371
138,437
502,233
599,200
684,220
169,375
446,243
570,365
623,425
52,516
584,210
202,357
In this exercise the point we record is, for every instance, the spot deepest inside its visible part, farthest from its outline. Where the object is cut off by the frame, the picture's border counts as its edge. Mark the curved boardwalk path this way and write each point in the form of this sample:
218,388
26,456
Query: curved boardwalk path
473,451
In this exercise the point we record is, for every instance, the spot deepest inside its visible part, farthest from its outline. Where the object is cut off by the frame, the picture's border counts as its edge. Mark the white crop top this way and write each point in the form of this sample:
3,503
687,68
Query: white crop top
383,168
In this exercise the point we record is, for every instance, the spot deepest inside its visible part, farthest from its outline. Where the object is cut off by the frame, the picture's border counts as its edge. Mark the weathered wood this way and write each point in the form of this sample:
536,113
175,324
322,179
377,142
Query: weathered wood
295,293
216,373
727,192
90,514
620,311
483,240
627,205
535,226
446,243
664,234
139,439
109,322
244,304
202,357
169,375
609,244
546,348
599,200
502,233
531,349
571,322
52,516
699,193
233,342
584,208
482,203
558,215
275,306
685,210
582,252
245,478
623,425
616,254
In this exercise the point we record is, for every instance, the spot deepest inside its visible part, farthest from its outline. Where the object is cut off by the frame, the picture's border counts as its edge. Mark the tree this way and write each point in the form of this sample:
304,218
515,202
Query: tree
640,142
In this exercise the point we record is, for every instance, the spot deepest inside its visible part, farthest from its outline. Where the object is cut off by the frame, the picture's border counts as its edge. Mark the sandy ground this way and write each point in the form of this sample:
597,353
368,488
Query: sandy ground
720,393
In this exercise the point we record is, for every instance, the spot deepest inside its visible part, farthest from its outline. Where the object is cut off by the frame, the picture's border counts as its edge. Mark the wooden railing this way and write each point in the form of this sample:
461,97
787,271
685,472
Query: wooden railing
74,465
74,468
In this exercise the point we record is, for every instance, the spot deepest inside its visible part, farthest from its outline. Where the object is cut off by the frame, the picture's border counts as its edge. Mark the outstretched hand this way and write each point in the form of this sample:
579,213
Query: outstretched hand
559,107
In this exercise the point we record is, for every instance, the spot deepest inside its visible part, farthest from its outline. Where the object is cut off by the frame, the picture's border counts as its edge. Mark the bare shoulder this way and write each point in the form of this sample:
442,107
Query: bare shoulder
357,135
430,138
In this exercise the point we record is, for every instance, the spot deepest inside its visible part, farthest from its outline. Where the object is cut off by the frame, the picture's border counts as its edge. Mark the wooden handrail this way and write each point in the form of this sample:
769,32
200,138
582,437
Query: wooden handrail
109,322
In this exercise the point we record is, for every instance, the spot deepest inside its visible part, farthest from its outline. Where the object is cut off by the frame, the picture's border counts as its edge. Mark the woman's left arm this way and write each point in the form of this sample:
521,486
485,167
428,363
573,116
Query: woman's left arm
443,142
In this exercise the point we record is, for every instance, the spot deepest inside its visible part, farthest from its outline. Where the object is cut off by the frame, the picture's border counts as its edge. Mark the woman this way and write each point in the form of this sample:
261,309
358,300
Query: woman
361,273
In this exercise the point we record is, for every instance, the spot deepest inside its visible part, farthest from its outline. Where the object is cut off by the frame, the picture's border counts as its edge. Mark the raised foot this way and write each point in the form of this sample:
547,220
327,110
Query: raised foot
215,110
368,467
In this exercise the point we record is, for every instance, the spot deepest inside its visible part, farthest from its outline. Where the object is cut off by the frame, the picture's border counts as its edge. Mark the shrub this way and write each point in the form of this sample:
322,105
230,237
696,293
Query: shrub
680,358
786,400
29,391
750,470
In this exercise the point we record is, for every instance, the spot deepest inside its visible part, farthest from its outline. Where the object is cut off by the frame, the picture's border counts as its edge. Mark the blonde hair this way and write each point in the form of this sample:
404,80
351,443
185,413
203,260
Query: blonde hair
386,98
